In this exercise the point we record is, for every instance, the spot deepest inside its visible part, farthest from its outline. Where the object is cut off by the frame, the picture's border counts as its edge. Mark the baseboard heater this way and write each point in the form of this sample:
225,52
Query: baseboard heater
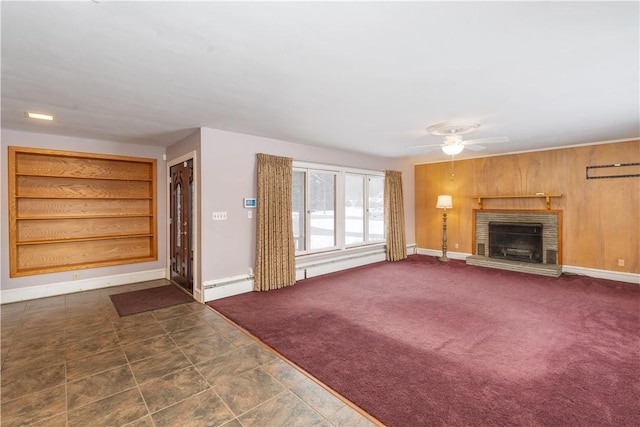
227,287
320,267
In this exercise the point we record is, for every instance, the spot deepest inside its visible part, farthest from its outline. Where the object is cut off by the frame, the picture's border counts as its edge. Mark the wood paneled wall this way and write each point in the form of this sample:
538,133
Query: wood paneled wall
601,216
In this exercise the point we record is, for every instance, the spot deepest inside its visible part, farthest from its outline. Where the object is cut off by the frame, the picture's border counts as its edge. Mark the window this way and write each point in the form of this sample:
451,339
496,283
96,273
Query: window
375,219
298,211
314,209
334,208
364,199
354,190
322,210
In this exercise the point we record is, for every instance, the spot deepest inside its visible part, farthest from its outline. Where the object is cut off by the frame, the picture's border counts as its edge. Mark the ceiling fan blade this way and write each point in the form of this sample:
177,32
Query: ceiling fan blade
486,140
423,146
475,147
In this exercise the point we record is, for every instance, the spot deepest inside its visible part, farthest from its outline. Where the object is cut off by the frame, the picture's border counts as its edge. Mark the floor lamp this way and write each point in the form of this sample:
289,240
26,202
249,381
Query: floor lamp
444,202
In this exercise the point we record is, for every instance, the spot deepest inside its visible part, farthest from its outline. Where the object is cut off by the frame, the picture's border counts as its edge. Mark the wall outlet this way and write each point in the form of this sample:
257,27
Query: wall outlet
219,216
457,246
250,271
76,276
620,262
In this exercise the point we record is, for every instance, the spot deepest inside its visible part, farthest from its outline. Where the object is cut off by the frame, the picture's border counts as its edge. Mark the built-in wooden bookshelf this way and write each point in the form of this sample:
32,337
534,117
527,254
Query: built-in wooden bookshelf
71,210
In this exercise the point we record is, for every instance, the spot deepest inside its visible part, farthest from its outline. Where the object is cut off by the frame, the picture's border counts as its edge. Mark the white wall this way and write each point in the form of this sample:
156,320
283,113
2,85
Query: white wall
226,162
229,173
22,139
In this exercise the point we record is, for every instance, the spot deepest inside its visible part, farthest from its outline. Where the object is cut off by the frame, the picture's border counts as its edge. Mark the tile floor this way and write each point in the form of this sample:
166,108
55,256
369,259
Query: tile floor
72,361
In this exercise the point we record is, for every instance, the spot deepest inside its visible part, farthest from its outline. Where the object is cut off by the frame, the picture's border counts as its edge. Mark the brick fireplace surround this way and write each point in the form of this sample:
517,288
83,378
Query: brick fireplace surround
551,221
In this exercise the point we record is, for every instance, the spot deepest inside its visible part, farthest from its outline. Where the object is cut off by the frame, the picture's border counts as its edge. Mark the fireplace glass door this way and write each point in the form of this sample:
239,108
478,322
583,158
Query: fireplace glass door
516,241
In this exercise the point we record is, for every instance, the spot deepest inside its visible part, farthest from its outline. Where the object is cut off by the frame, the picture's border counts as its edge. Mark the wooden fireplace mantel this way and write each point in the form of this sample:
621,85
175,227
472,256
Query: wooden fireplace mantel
519,196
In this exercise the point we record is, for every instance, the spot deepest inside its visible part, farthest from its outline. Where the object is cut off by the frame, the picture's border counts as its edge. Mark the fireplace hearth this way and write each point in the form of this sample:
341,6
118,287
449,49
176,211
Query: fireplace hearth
515,241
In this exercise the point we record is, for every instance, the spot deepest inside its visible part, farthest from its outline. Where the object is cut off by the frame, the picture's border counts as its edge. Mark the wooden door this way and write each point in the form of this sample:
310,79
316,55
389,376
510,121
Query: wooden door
182,239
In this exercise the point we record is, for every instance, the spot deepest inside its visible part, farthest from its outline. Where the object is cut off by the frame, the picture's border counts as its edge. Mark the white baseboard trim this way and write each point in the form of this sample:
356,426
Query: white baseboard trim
62,288
438,253
584,271
603,274
227,287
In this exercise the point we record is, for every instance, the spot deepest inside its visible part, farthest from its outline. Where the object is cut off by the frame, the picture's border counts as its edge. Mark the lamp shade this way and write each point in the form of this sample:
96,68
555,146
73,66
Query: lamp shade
444,202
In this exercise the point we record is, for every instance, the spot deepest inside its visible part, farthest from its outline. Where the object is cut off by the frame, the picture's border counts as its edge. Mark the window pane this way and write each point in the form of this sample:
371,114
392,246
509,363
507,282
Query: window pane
322,203
297,210
376,209
354,209
178,227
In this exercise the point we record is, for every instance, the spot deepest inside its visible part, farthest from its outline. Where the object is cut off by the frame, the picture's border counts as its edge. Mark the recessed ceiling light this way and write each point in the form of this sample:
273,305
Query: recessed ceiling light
39,116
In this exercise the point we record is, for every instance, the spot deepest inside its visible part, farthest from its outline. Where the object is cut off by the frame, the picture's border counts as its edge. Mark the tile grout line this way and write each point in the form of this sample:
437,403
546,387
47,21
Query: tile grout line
261,367
209,385
66,361
101,351
51,364
135,379
167,333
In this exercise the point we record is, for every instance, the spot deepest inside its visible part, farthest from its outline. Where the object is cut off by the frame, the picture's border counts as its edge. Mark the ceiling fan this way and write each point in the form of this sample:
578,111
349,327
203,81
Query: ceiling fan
453,142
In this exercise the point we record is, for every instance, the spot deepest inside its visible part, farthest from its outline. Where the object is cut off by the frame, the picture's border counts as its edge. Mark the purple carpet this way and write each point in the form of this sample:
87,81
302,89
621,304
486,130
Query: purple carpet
148,299
419,342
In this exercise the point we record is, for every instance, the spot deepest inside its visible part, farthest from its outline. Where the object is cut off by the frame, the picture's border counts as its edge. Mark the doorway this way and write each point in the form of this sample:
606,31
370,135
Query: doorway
181,224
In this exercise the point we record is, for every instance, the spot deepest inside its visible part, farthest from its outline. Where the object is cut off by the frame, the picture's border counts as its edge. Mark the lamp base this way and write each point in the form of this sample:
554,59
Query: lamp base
443,258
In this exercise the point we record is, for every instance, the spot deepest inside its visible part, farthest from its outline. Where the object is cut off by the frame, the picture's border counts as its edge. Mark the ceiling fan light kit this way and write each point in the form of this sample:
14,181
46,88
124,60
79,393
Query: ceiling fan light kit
451,131
452,149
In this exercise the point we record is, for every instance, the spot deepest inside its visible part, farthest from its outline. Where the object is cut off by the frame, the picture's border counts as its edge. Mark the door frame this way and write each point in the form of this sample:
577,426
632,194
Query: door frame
198,293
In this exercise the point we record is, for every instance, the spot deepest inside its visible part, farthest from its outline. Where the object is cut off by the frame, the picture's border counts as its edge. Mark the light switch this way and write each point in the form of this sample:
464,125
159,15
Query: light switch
219,216
249,214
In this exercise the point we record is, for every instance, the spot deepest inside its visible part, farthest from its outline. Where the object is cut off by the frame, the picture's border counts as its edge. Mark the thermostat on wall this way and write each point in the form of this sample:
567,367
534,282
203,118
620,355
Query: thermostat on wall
249,203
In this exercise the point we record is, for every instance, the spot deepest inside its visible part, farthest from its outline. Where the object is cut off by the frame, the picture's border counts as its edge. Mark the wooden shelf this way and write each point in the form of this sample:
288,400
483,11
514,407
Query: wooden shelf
77,266
81,198
98,178
124,215
83,239
519,196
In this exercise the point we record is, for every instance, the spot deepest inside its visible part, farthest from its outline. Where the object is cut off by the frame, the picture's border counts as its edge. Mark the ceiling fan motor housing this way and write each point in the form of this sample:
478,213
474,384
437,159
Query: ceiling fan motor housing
452,139
452,128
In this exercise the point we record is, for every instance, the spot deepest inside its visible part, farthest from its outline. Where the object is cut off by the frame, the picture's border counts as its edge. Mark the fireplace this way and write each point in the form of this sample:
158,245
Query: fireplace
528,241
519,241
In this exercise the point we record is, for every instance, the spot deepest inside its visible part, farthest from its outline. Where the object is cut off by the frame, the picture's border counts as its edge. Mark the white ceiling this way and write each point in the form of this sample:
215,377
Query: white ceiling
361,76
